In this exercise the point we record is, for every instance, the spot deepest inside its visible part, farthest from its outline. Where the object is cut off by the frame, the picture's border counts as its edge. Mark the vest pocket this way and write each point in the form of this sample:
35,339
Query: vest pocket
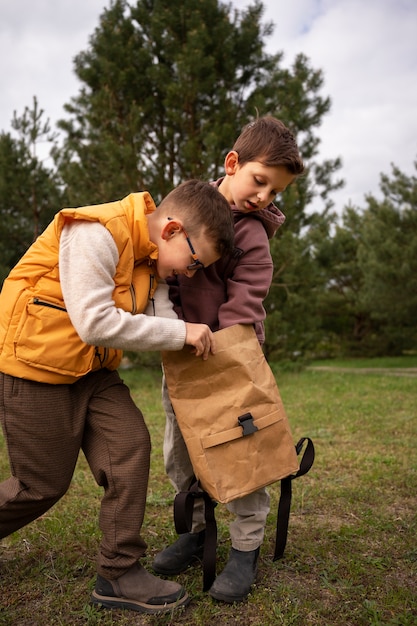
46,339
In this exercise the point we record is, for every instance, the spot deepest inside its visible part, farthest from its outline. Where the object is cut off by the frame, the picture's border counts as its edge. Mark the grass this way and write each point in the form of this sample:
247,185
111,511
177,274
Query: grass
351,556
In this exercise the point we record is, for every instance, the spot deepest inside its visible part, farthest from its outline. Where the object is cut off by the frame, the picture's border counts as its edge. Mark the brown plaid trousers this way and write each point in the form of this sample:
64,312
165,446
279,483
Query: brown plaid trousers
45,426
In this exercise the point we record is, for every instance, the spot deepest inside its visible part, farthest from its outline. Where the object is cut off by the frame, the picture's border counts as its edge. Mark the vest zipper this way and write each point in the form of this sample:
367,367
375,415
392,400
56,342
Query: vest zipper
40,302
101,359
152,291
133,294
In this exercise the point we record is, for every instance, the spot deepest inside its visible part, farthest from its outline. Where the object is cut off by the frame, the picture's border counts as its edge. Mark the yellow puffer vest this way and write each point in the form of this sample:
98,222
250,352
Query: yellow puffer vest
37,339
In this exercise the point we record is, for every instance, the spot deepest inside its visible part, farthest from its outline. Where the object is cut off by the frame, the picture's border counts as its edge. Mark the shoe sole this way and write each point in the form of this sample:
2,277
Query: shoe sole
110,602
229,599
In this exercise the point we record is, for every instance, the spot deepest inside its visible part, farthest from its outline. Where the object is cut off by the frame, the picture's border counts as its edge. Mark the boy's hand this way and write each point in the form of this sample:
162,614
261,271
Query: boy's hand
201,337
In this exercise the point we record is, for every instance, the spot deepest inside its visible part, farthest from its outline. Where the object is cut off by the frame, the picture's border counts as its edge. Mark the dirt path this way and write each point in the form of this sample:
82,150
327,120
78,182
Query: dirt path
387,371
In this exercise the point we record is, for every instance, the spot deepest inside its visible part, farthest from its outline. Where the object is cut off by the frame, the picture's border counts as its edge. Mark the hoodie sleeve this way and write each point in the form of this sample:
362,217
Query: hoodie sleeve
249,283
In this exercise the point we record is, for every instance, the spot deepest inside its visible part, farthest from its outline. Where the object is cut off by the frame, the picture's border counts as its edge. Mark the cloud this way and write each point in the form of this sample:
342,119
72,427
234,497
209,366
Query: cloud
38,41
368,54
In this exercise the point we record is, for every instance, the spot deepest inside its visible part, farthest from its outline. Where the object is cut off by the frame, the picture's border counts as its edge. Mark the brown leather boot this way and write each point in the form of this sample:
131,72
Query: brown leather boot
139,591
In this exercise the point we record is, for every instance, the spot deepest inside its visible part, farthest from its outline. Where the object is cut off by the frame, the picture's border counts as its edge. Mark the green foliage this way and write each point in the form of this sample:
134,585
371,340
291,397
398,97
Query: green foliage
29,195
387,257
370,301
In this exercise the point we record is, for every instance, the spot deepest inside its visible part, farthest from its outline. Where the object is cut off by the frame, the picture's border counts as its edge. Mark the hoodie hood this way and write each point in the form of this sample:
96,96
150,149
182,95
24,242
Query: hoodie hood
271,217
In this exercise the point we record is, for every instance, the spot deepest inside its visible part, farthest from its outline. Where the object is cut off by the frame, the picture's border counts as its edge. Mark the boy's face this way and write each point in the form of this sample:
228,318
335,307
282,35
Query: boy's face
180,254
253,185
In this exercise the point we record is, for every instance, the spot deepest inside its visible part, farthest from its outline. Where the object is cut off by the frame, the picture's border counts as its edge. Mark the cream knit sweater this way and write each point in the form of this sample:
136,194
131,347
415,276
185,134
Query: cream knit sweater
87,263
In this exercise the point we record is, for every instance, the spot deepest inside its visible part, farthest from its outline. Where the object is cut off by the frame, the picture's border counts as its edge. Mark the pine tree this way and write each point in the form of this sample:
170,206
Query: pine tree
29,194
167,88
387,257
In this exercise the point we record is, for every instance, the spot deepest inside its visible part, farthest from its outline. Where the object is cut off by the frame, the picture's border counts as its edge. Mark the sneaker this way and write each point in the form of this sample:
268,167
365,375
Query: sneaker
187,549
237,578
139,591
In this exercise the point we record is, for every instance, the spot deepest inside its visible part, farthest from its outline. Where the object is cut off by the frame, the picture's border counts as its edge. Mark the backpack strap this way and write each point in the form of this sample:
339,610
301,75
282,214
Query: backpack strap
231,262
284,504
183,516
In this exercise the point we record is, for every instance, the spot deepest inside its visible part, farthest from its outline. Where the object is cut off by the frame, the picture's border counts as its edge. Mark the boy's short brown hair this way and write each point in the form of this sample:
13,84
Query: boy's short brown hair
203,208
269,141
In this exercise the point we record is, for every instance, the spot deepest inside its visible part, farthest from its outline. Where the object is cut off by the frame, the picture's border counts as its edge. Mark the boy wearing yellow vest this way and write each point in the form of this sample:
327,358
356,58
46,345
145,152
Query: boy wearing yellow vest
69,307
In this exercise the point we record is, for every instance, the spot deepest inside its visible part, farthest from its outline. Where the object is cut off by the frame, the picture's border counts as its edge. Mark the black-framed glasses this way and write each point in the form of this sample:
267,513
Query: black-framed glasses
197,264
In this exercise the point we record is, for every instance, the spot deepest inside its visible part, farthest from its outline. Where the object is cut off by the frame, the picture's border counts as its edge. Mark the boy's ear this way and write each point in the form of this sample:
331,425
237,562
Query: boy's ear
171,228
231,162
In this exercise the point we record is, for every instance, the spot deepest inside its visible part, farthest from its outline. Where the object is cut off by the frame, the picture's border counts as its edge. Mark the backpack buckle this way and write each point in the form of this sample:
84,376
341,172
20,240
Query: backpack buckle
246,421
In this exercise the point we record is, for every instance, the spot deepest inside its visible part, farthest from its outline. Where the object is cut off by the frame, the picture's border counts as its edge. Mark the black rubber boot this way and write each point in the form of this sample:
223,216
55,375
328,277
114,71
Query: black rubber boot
187,549
237,578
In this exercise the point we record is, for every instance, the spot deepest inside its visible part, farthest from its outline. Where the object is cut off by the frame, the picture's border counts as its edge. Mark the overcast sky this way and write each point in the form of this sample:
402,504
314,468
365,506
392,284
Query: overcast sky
367,50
